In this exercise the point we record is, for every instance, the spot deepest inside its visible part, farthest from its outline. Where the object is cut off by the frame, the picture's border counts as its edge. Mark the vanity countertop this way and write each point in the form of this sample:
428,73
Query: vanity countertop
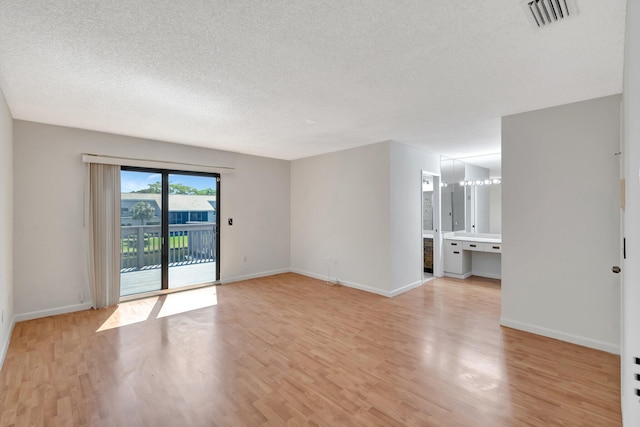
471,237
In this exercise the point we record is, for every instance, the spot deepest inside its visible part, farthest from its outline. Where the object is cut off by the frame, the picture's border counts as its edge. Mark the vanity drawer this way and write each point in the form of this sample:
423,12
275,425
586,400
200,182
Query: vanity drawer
493,247
473,246
456,260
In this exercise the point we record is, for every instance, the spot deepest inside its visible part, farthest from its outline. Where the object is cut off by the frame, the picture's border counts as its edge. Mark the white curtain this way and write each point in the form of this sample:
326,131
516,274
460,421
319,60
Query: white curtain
104,234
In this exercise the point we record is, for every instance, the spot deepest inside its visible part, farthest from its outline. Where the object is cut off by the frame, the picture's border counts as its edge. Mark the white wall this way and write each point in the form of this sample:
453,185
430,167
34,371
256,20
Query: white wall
6,226
495,209
560,222
405,227
362,209
340,211
49,178
631,266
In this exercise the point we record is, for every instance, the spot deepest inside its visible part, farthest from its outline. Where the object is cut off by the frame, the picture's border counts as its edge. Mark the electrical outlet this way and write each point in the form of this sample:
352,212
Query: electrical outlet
244,258
81,296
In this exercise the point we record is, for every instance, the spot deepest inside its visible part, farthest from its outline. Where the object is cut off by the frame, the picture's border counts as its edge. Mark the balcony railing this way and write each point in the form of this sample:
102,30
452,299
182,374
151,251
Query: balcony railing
140,245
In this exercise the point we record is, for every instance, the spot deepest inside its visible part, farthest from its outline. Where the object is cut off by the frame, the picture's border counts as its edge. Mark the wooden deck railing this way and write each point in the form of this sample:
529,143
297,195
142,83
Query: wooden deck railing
140,245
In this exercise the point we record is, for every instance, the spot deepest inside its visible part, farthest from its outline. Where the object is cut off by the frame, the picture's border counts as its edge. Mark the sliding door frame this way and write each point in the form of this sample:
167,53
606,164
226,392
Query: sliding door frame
164,233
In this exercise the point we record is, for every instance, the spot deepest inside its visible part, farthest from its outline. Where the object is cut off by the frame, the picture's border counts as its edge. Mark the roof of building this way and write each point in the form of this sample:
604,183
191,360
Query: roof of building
177,202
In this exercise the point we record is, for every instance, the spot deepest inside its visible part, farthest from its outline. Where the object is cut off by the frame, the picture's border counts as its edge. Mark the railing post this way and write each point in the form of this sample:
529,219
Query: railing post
140,250
214,243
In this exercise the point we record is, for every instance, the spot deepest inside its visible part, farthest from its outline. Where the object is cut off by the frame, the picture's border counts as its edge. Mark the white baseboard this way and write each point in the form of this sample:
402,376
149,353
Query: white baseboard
324,278
407,288
489,275
51,312
458,276
5,344
78,307
362,287
344,283
254,275
562,336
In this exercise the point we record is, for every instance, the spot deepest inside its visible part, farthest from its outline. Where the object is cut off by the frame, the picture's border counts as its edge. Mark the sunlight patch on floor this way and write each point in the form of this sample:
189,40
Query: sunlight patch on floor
131,312
128,313
181,302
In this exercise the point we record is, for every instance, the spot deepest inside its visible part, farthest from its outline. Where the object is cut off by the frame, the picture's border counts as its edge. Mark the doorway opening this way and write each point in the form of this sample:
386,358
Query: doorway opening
429,227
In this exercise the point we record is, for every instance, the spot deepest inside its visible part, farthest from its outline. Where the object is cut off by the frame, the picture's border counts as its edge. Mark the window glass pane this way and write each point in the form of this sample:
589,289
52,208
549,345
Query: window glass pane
140,243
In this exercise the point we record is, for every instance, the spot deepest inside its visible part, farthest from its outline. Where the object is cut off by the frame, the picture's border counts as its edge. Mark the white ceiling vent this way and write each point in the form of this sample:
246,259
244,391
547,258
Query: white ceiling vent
542,13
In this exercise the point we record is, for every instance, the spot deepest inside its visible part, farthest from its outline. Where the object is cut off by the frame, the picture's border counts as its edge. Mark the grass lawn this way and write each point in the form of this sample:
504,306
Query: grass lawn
153,244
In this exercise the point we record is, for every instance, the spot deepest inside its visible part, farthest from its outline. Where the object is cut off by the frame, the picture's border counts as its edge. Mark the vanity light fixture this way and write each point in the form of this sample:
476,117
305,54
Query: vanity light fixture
480,182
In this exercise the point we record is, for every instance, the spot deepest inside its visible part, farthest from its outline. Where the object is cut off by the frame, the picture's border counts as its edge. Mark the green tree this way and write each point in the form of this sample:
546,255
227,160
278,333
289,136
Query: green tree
177,188
155,188
142,211
206,192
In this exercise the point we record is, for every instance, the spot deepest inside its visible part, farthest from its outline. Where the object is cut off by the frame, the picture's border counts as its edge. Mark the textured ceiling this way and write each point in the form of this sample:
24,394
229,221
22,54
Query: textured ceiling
290,79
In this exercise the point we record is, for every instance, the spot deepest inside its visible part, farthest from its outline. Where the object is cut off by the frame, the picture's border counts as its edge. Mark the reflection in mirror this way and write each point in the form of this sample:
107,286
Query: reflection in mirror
452,195
427,203
471,194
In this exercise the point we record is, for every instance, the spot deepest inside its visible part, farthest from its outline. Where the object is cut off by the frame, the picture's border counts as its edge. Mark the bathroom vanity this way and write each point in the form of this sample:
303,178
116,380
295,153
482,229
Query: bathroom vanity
471,215
477,254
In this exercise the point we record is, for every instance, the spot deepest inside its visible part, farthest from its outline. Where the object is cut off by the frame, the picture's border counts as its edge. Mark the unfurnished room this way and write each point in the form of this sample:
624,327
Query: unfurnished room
252,213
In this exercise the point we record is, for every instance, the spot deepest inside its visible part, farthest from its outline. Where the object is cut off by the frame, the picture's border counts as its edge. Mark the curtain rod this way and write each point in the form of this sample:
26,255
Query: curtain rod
126,161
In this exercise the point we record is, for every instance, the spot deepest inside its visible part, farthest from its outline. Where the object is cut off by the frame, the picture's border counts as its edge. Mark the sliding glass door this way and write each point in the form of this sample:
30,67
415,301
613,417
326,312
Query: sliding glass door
140,232
192,229
169,228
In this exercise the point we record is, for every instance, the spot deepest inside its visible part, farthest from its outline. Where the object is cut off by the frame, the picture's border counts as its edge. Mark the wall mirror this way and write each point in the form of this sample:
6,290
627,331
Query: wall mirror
427,203
472,194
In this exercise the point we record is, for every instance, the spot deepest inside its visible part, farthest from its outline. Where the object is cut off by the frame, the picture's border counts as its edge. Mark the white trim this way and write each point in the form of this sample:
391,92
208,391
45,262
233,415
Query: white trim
407,288
562,336
7,341
52,312
344,283
458,276
489,275
254,275
156,164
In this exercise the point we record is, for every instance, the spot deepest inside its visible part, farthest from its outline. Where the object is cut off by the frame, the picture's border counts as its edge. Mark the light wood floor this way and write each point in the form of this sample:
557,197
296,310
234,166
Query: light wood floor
289,350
